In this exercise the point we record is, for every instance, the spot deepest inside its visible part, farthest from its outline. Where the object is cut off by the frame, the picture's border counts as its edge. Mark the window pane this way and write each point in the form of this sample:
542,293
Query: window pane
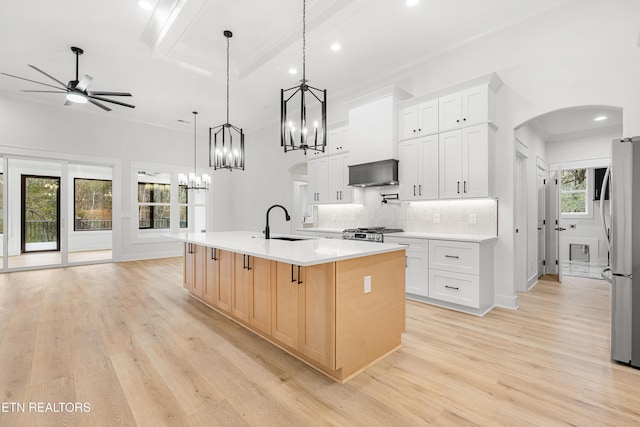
144,217
184,221
144,192
161,193
575,179
161,216
92,204
183,194
573,202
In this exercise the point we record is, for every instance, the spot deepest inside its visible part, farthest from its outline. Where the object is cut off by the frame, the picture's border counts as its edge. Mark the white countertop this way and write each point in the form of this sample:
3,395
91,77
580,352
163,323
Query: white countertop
308,251
475,238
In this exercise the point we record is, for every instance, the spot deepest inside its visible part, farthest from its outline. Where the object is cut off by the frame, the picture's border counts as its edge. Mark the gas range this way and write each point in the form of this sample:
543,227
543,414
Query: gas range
368,234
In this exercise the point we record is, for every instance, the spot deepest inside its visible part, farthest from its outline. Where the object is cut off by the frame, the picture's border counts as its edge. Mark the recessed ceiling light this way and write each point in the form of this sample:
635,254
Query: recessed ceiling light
412,2
293,71
600,118
336,47
145,4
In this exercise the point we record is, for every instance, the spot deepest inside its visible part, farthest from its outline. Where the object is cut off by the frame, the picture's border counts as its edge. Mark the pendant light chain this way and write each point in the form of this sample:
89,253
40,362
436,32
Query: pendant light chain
195,127
304,41
227,79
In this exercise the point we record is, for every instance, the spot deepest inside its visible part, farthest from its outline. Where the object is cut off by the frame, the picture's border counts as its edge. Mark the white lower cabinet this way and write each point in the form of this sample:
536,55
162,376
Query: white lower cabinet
417,264
462,273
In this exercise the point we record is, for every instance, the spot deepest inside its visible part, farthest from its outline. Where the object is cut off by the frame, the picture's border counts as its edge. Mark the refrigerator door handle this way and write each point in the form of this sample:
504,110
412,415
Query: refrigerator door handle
603,190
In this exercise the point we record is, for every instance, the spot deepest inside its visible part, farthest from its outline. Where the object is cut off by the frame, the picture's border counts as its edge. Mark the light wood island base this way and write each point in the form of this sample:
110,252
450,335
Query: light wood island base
319,314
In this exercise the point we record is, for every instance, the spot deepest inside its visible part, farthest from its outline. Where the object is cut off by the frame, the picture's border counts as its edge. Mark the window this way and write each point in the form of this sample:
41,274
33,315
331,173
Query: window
183,201
92,204
154,209
573,192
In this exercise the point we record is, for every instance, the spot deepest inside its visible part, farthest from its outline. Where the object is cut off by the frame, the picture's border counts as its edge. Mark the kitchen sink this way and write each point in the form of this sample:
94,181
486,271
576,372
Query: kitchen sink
290,239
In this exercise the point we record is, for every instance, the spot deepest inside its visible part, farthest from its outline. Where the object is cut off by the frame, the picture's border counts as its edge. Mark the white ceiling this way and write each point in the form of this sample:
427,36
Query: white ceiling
577,121
173,58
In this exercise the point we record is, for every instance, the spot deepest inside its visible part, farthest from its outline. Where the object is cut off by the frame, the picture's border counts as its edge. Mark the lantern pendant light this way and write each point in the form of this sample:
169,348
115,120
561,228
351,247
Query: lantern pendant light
303,123
194,181
226,142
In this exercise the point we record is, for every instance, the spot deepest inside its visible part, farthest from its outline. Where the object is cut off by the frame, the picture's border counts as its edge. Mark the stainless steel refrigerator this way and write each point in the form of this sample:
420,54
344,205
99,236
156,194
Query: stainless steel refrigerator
623,178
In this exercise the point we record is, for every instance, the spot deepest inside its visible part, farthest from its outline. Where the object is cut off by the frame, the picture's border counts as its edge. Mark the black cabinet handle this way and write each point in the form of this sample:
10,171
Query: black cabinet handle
451,287
458,121
458,187
419,189
414,190
299,281
464,187
452,256
248,262
292,279
464,119
190,248
214,254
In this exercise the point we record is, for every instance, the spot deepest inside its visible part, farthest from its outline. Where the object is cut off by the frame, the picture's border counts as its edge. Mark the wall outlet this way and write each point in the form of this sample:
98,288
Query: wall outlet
367,284
436,218
473,219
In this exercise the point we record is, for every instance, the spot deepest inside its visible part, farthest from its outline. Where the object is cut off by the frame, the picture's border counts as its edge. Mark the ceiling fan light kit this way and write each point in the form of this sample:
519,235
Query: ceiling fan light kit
296,104
224,152
76,90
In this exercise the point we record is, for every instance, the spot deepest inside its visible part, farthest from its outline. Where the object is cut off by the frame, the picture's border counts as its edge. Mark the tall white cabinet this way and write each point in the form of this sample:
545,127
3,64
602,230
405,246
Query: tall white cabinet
446,143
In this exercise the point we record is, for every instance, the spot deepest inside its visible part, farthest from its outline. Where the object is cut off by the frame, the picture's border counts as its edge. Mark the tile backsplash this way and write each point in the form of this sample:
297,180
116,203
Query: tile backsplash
475,216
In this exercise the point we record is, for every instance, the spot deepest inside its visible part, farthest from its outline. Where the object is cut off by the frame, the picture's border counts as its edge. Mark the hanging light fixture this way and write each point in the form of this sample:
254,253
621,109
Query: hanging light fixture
194,181
224,152
303,109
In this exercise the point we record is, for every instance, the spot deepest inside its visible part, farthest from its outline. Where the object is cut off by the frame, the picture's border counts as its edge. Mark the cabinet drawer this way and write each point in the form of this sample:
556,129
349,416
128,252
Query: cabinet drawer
453,287
461,257
413,245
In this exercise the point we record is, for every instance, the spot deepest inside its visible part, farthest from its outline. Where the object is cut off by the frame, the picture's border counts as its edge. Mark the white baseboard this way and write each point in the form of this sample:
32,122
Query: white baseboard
154,255
504,301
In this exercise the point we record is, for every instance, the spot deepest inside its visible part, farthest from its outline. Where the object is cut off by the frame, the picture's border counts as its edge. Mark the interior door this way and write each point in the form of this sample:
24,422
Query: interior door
542,224
40,227
555,232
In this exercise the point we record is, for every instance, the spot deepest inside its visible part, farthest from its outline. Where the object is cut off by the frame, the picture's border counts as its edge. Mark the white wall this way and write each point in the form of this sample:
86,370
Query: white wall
533,146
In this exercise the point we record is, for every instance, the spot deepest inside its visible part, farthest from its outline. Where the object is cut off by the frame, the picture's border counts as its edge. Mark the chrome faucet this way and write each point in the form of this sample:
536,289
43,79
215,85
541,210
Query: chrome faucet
286,216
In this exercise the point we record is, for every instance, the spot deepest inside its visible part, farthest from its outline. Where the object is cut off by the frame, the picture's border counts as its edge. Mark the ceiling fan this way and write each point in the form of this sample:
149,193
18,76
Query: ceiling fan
76,90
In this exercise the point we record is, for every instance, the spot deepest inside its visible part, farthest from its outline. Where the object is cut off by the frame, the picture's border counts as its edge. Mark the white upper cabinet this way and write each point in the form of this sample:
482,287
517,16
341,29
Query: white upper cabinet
418,168
337,143
418,120
465,108
339,190
318,175
465,162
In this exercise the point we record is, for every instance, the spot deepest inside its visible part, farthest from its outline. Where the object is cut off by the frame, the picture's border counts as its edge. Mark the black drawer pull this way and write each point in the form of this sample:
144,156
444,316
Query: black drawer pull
451,287
214,254
452,256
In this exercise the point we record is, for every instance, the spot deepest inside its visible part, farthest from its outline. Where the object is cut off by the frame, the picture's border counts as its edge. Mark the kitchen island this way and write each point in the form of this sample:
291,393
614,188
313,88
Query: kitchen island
336,305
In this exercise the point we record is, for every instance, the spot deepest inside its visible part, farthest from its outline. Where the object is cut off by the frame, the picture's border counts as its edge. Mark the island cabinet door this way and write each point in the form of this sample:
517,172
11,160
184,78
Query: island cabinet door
317,339
199,270
242,286
222,294
212,276
260,294
285,305
189,266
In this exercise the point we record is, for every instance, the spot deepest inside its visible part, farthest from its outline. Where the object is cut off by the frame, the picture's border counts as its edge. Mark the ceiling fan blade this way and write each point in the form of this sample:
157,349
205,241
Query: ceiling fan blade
84,82
45,91
33,81
50,76
112,101
109,93
104,107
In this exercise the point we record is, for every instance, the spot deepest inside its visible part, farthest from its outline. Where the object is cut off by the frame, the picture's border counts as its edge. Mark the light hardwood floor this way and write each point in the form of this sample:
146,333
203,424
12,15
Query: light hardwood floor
128,340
